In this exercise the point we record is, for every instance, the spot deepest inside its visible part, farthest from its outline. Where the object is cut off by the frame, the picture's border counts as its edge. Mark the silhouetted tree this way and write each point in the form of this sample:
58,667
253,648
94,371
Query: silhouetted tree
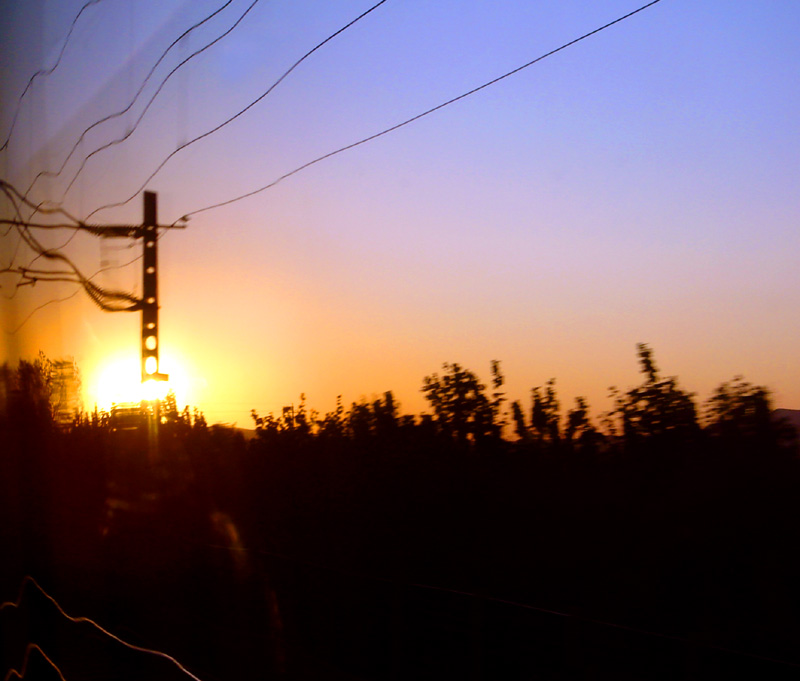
169,408
198,420
360,421
498,397
658,412
739,415
386,415
462,410
333,424
29,389
521,429
545,416
579,433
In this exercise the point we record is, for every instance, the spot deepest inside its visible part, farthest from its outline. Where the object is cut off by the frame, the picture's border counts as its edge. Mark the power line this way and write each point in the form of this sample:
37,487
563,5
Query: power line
45,72
241,111
14,253
23,225
24,235
65,298
408,121
117,114
107,300
28,276
40,225
39,307
131,130
97,294
10,189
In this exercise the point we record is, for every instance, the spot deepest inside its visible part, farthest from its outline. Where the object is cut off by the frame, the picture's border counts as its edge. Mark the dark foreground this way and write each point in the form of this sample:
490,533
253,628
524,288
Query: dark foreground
369,545
390,562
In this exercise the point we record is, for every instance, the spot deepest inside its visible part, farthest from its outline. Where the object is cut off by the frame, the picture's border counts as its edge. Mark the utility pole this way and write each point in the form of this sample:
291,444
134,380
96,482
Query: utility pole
149,337
148,232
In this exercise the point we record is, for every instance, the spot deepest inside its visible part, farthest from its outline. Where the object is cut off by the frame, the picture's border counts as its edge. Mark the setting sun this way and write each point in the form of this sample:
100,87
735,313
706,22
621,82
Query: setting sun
119,380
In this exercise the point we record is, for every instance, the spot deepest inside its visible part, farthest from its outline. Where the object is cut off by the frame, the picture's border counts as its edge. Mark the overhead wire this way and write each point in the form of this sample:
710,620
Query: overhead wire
52,174
45,72
122,112
125,302
9,189
19,326
13,253
108,300
42,225
19,224
95,295
11,192
65,298
393,128
241,111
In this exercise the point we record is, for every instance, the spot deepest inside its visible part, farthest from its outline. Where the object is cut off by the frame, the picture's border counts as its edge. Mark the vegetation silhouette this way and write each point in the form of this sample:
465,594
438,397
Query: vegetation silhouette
303,551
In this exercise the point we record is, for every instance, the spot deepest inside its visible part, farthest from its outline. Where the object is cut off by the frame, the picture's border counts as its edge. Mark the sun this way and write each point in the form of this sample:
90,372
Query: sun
119,381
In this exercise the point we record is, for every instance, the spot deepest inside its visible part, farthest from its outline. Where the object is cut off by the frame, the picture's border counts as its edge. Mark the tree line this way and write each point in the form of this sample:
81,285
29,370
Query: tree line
468,415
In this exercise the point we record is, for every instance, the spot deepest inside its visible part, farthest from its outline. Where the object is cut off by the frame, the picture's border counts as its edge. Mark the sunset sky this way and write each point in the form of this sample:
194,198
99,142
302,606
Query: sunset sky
642,185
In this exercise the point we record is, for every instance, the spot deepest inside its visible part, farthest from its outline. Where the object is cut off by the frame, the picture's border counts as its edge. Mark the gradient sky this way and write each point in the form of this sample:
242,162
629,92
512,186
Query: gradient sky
640,186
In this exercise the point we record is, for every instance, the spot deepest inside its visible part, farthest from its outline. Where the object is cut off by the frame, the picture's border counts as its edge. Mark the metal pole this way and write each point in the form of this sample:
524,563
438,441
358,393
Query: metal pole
149,339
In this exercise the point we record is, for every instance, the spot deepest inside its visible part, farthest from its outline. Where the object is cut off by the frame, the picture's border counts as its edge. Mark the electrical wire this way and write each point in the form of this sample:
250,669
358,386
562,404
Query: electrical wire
11,192
40,307
107,300
97,294
19,224
45,72
9,189
393,128
39,225
65,298
122,112
13,254
241,111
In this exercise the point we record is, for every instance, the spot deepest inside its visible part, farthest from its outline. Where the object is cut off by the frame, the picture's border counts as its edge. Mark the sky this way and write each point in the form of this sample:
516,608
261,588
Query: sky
637,186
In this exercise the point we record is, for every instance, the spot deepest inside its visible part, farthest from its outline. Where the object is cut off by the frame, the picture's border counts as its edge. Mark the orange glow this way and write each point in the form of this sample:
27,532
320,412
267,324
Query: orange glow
150,366
119,380
154,390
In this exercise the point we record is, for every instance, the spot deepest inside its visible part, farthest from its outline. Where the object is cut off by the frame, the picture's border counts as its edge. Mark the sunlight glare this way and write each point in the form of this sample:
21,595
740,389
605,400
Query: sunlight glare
119,381
154,390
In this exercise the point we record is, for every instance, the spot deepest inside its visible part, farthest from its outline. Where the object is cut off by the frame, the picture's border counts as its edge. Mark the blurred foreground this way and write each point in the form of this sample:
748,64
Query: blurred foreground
366,545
